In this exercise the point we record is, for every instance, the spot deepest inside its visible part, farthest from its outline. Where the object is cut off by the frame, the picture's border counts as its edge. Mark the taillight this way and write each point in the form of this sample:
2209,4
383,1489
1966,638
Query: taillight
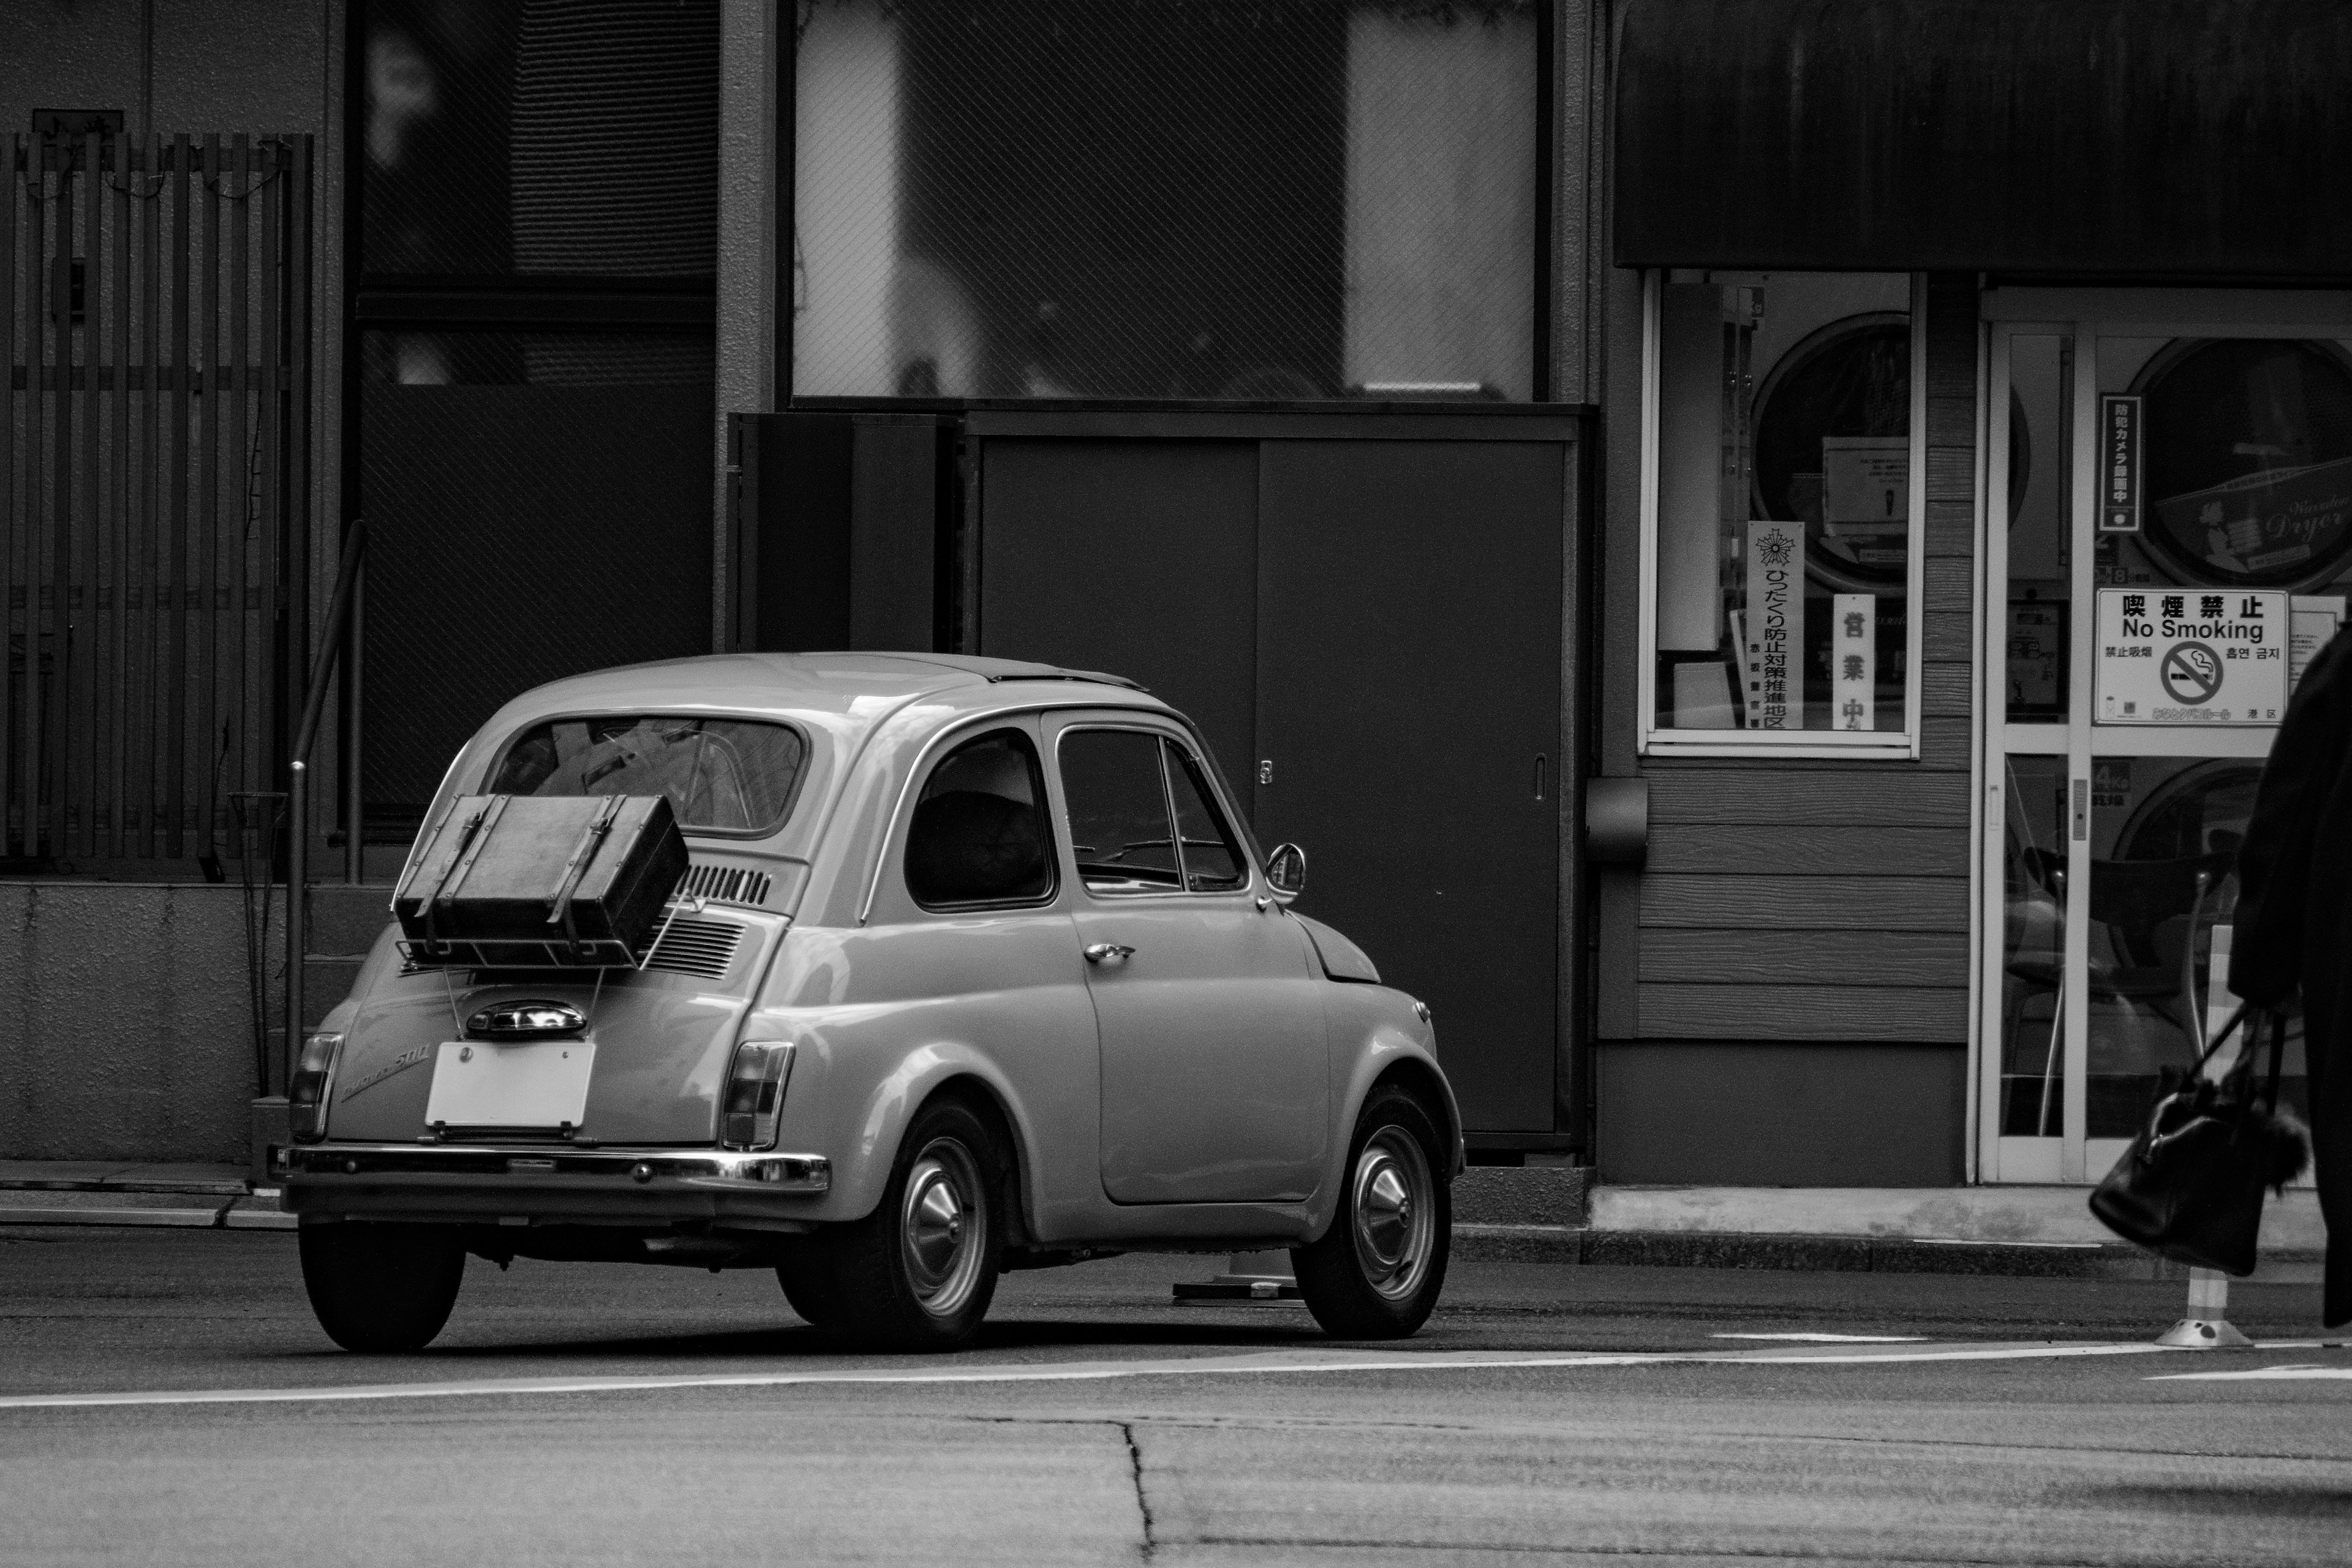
755,1094
306,1095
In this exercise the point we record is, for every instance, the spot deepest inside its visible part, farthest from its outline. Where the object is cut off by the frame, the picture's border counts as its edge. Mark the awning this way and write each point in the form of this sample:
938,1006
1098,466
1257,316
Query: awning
2121,138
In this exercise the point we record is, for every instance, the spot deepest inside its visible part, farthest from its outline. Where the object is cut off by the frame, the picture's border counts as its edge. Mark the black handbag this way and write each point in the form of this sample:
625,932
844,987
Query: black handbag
2190,1186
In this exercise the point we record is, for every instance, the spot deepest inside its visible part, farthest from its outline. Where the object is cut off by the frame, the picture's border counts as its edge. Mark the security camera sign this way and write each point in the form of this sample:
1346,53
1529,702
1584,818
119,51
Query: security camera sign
2191,657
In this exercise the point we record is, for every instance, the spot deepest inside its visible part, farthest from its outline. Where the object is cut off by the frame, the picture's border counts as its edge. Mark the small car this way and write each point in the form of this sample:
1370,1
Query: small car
975,967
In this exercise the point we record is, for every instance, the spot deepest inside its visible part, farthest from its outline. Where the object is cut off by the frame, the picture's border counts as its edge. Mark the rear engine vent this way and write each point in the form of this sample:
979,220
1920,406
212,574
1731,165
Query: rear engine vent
727,884
697,947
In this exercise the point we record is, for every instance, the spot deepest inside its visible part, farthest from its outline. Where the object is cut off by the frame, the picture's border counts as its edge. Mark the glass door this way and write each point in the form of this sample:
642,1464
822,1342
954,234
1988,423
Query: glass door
2170,509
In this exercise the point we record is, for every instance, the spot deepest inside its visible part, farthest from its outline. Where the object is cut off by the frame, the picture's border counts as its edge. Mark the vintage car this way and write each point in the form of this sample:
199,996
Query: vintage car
975,967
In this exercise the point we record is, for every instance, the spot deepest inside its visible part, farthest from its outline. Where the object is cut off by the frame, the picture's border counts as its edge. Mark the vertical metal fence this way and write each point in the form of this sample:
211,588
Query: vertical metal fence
155,318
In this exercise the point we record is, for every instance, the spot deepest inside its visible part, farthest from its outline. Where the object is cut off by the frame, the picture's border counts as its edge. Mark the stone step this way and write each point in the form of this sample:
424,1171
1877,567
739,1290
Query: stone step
1544,1195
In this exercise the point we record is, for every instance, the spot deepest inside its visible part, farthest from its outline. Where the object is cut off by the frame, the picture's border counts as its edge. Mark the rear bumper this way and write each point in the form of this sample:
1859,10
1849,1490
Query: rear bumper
550,1185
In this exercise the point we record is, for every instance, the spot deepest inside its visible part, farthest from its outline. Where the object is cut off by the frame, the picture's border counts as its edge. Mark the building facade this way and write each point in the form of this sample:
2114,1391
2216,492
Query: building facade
1757,543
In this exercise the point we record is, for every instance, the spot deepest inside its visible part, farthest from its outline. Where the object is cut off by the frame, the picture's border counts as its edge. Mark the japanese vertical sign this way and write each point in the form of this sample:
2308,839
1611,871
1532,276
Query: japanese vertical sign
2191,657
1775,625
2119,465
1854,660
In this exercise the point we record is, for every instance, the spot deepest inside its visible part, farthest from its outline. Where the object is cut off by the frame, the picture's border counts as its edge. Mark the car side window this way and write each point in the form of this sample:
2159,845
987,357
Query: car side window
1118,812
978,833
1213,862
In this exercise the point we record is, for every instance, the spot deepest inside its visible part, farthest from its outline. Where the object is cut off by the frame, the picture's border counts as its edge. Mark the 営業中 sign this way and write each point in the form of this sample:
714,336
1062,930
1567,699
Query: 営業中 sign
2191,657
2119,445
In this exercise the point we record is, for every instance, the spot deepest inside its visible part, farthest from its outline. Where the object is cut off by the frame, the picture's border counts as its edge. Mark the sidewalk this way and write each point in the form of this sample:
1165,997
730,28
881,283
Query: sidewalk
1535,1214
116,1193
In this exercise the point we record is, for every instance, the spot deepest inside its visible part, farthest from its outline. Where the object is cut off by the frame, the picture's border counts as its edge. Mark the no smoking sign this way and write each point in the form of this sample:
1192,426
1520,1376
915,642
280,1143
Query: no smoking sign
2191,656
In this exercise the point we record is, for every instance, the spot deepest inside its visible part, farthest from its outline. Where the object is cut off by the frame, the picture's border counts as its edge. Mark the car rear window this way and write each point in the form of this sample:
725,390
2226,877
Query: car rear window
722,775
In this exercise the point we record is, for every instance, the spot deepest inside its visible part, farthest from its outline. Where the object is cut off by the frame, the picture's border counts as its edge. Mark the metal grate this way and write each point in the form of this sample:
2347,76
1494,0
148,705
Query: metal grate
693,946
727,884
155,400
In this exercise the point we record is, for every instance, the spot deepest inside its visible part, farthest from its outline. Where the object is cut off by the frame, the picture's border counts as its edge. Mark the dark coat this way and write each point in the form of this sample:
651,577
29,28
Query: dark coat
2293,925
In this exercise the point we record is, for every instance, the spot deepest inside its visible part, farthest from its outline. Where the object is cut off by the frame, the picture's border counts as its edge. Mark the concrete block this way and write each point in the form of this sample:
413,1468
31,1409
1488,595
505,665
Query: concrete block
1520,1195
125,1021
325,983
347,919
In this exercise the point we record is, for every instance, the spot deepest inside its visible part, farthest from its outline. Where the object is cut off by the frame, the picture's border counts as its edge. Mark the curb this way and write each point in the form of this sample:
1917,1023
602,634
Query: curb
244,1212
1840,1254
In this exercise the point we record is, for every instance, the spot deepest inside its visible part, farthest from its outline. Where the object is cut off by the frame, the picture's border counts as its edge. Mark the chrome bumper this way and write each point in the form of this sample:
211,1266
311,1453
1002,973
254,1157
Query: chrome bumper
327,1176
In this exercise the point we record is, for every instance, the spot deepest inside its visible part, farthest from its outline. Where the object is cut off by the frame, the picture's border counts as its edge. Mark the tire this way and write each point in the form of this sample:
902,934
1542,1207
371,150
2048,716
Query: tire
918,1273
382,1289
1377,1272
811,1284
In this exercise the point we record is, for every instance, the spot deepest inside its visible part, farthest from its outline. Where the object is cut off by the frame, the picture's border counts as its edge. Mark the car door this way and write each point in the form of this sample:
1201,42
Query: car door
1207,1003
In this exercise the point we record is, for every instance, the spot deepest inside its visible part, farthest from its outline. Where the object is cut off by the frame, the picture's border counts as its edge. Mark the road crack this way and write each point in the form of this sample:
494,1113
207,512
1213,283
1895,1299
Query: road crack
1143,1499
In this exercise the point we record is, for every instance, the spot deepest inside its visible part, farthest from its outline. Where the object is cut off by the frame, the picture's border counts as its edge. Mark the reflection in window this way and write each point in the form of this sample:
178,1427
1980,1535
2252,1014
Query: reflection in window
1118,812
1285,199
728,775
541,138
1213,862
1784,525
2034,948
978,833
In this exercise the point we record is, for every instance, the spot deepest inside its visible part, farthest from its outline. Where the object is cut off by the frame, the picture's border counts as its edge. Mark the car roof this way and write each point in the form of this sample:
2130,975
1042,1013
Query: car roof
818,682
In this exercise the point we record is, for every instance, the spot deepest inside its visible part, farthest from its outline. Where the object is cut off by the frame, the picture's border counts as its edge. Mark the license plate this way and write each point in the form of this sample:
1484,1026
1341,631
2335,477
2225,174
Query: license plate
534,1083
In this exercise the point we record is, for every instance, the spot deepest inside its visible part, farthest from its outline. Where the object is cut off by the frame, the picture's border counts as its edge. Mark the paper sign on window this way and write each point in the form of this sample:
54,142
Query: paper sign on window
1854,660
1776,626
2119,477
2191,657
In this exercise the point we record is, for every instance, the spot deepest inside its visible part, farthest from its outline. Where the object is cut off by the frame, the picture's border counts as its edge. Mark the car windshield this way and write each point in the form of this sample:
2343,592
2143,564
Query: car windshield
723,775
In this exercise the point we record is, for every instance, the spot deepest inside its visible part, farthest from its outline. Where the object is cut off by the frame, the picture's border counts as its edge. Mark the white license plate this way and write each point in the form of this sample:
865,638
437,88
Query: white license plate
533,1083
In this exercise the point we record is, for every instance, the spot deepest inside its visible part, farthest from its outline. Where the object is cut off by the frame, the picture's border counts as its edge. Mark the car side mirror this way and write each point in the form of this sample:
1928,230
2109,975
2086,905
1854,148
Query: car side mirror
1285,871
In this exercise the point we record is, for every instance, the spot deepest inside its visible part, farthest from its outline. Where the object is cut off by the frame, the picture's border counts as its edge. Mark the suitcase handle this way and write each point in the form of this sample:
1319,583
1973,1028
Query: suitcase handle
592,837
477,838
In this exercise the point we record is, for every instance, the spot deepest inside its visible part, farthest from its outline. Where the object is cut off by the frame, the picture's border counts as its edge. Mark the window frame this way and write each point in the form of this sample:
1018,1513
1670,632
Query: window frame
792,798
1044,811
1215,799
1885,745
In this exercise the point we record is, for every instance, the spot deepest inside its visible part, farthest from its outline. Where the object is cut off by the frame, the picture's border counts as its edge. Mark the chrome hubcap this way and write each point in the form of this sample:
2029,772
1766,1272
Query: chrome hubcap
942,1225
1393,1212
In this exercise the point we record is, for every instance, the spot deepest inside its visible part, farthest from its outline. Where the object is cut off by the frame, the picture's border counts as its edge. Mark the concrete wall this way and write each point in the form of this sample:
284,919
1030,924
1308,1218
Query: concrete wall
124,1029
208,65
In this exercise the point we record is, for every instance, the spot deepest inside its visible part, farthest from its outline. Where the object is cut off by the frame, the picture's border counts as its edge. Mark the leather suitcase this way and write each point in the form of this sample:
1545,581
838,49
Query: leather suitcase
530,880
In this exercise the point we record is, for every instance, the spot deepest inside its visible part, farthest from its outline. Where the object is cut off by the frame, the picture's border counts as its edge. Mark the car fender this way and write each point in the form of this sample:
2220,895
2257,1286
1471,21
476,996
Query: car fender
1376,1031
861,1131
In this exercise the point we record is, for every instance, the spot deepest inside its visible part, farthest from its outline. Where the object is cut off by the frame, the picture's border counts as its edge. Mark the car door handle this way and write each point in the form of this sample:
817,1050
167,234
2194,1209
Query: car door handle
1104,952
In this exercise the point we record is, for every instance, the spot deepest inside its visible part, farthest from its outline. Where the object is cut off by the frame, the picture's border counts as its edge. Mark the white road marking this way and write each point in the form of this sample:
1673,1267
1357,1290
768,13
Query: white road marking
2256,1374
1834,1339
1257,1364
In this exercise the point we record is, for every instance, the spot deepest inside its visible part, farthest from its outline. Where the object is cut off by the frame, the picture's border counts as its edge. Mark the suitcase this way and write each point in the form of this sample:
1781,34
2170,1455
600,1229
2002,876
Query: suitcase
566,881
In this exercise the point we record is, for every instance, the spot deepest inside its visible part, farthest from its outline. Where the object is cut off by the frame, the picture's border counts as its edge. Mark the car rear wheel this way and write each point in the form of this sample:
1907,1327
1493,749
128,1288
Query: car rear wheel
382,1289
1377,1272
918,1273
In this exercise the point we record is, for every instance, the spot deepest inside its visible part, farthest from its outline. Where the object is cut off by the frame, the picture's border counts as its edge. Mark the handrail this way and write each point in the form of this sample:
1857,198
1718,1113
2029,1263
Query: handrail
297,805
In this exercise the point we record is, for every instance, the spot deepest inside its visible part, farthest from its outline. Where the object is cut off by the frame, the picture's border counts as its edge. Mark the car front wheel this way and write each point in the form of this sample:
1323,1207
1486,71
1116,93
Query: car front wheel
381,1289
1376,1273
918,1273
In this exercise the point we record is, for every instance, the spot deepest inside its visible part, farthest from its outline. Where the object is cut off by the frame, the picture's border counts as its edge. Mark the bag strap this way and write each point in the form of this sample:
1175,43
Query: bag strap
2278,1058
2220,1038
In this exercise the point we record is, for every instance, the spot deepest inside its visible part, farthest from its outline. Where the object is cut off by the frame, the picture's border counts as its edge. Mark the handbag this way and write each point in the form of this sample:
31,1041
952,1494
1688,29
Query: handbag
2190,1186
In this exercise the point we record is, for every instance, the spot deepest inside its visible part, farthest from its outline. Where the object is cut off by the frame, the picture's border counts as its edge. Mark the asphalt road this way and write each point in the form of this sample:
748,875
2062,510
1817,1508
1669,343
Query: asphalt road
583,1415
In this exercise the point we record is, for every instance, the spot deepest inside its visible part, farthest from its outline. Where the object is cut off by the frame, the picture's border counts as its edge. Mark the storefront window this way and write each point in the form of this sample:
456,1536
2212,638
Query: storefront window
1783,511
1284,199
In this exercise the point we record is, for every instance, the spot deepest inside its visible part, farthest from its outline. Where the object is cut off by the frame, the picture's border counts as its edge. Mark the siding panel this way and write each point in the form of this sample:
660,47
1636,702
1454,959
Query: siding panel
1804,1013
1823,851
1776,796
1896,958
1862,903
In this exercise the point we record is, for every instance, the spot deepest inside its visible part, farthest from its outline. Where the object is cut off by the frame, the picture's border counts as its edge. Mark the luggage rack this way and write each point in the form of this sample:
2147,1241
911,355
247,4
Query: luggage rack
556,952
